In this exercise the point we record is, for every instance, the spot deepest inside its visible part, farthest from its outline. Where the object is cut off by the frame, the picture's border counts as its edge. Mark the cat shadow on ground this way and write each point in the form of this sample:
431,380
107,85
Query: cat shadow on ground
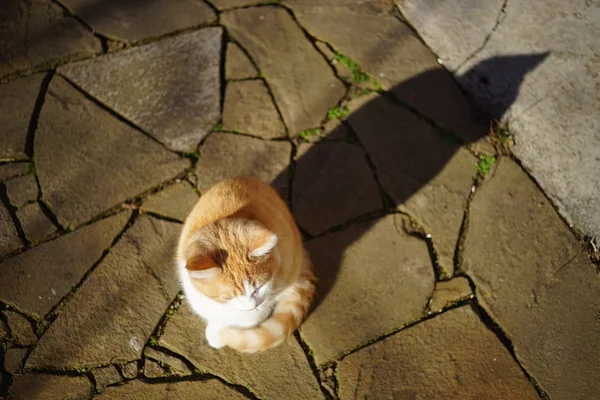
333,188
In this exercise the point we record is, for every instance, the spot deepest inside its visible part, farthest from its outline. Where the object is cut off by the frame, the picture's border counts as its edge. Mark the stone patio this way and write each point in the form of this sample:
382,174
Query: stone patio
445,271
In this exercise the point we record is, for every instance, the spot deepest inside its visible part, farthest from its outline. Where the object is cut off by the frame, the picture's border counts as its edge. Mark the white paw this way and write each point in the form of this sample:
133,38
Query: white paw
213,335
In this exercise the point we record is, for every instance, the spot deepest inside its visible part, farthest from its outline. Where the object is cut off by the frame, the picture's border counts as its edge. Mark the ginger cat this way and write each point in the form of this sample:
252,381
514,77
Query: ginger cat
243,266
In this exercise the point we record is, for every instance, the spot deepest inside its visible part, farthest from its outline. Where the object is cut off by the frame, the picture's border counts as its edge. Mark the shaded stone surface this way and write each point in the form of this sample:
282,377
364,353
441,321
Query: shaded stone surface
8,171
425,173
21,190
201,390
249,109
226,155
280,373
20,327
34,223
44,35
130,370
454,29
37,279
135,20
533,280
237,63
176,366
333,184
115,310
13,359
373,277
9,238
303,84
17,99
388,50
106,376
170,88
78,143
152,369
452,356
449,292
175,201
34,386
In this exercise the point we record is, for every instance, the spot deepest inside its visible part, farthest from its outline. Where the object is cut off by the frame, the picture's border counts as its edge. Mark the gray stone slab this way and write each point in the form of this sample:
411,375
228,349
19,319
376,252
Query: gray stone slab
35,224
389,51
137,20
200,390
77,143
302,83
11,170
17,100
225,155
174,364
332,185
21,328
130,370
170,88
279,373
452,356
175,201
537,71
9,238
13,359
116,309
38,32
237,63
34,386
424,172
37,279
22,190
533,279
248,108
450,292
453,29
106,376
372,278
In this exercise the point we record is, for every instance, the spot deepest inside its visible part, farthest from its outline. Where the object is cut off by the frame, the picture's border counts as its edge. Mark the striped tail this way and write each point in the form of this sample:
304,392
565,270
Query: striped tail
287,317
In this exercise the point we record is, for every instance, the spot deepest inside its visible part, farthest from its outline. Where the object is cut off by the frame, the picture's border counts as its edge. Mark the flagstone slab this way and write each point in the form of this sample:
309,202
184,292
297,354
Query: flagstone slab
9,238
535,281
175,201
116,309
425,173
279,373
452,356
11,170
21,328
38,32
87,161
199,390
21,190
34,386
35,224
302,82
169,88
225,155
237,63
248,108
136,20
37,279
374,278
333,184
17,100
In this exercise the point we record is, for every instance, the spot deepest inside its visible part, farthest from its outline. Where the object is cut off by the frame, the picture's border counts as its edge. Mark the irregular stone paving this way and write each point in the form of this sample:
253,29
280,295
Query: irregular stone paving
283,373
201,390
168,88
543,83
127,21
534,280
88,161
441,273
453,356
17,99
38,32
115,311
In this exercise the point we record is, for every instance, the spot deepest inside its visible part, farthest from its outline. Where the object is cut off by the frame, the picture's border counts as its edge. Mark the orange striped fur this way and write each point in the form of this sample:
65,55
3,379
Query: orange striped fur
243,266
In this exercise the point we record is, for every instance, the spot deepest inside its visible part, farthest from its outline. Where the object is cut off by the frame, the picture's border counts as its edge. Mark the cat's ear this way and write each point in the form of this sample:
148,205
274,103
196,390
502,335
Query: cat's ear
202,266
263,243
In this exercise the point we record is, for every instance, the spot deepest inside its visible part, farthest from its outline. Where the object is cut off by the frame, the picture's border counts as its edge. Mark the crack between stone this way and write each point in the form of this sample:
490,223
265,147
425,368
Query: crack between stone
499,18
70,13
308,352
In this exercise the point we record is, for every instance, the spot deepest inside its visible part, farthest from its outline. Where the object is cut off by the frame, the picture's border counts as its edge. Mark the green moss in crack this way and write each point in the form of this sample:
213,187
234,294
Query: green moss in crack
307,133
485,164
153,341
358,76
30,169
337,112
195,155
217,128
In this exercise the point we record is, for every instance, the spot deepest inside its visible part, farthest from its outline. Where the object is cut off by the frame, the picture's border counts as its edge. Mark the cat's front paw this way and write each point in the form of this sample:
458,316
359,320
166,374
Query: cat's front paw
213,335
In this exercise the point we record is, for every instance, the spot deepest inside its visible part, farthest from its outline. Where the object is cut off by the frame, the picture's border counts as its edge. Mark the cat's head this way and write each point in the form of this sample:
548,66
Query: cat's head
234,262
